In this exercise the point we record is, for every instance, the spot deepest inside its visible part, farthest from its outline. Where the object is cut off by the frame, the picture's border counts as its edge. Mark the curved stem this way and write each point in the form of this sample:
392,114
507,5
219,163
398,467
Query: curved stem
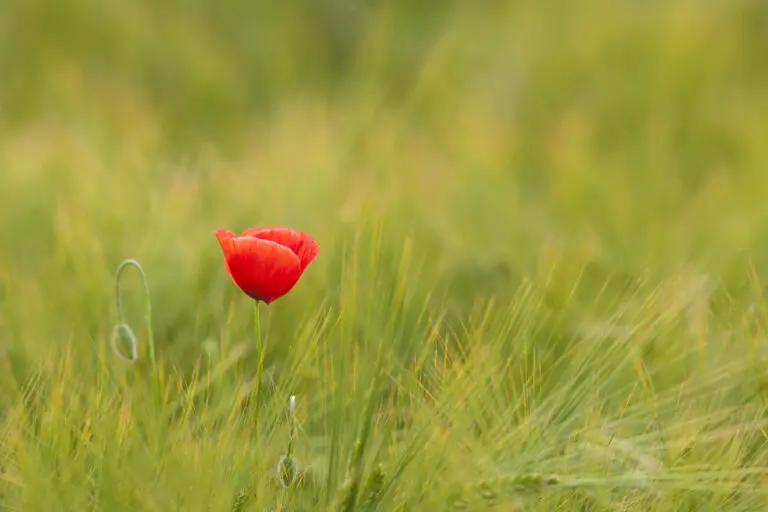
147,317
259,363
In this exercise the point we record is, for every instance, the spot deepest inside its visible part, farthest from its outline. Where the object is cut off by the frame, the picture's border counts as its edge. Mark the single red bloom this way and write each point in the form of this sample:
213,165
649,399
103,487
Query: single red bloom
266,262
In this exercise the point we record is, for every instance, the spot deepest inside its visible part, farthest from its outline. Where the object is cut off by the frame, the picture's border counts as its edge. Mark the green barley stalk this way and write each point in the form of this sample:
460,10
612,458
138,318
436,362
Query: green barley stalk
372,489
347,494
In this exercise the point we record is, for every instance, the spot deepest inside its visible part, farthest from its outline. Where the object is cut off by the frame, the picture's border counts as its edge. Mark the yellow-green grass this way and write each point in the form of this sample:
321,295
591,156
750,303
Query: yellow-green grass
543,241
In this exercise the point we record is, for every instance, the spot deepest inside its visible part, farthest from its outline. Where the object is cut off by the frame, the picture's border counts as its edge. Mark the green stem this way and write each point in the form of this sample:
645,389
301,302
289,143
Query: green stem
292,413
260,362
147,319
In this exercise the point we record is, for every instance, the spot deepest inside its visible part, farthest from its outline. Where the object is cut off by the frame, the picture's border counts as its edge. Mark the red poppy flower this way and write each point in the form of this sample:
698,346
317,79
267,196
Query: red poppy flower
266,262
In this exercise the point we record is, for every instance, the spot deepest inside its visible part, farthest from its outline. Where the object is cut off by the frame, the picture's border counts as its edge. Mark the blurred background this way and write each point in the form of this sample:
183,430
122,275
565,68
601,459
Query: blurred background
598,141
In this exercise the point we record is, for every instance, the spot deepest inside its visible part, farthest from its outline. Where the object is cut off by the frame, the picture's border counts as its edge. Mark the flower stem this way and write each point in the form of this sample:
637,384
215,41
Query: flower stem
260,362
147,319
292,413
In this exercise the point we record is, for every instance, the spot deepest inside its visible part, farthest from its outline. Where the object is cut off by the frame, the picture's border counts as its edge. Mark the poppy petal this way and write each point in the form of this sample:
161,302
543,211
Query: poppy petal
302,245
264,270
223,234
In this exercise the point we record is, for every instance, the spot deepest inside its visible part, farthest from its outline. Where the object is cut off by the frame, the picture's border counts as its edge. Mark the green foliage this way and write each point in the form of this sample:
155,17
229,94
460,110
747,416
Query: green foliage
542,236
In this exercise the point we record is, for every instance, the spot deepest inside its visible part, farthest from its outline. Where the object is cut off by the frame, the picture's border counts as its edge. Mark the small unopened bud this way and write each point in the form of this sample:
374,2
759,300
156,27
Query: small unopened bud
123,334
287,470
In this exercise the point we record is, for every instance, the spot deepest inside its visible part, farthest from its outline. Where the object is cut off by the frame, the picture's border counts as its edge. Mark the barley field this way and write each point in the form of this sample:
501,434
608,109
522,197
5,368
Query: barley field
543,255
